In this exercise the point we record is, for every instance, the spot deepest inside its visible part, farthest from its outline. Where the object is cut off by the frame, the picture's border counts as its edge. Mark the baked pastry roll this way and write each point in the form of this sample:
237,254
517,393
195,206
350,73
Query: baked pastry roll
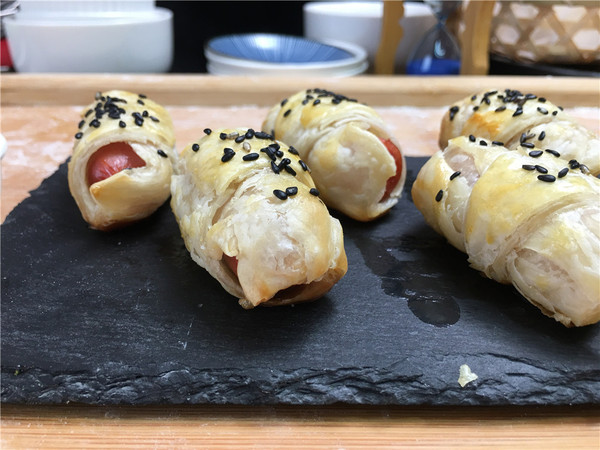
521,120
356,163
120,170
525,218
250,214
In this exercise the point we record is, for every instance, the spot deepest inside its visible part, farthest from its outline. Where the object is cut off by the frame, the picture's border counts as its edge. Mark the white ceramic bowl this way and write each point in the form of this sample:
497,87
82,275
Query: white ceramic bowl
274,55
100,42
359,23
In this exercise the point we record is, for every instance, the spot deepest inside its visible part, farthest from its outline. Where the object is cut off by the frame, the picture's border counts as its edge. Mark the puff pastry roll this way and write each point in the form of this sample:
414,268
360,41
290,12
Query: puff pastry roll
522,120
120,169
532,221
250,215
356,163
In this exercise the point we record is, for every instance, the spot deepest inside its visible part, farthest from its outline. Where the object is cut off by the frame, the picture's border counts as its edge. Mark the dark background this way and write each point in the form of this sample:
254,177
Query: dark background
195,22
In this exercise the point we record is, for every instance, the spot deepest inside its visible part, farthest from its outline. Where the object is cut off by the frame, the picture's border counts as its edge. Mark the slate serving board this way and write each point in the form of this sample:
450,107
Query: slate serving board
128,318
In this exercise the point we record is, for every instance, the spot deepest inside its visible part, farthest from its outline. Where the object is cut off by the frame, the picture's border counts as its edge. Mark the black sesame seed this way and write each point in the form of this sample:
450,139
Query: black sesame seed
195,147
475,108
473,98
283,102
122,124
553,152
287,113
500,108
263,135
250,157
207,131
240,139
573,164
454,175
292,190
269,153
439,195
227,156
518,111
547,178
145,113
303,165
501,144
472,138
542,100
228,151
453,112
542,136
139,121
89,111
528,167
223,136
541,169
535,153
280,194
293,151
162,153
528,145
82,123
554,113
79,135
530,96
249,134
274,167
279,153
316,102
563,172
140,102
142,96
482,142
274,146
95,123
314,191
289,170
542,110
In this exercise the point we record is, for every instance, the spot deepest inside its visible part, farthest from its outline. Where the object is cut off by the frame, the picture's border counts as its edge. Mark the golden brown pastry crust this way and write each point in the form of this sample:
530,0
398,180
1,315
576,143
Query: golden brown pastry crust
340,140
520,120
254,200
132,194
533,221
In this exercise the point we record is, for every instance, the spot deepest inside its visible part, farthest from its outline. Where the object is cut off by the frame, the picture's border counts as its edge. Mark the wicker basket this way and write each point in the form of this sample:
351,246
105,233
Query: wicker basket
554,32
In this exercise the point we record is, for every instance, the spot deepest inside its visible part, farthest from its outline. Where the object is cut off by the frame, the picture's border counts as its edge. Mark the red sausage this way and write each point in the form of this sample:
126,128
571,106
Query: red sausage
111,159
392,182
232,263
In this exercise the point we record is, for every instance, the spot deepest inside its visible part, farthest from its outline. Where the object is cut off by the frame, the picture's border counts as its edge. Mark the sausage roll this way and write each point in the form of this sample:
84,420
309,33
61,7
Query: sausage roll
356,163
526,218
522,120
120,170
250,214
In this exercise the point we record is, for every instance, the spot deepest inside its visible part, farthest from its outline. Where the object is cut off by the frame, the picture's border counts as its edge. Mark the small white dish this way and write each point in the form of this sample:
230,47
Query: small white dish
98,42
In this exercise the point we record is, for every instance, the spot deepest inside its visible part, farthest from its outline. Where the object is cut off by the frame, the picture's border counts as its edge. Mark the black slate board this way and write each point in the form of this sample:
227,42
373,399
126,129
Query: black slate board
127,318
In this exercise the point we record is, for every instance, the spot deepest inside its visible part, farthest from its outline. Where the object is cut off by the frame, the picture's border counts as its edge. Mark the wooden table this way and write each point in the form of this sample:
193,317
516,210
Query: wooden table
39,117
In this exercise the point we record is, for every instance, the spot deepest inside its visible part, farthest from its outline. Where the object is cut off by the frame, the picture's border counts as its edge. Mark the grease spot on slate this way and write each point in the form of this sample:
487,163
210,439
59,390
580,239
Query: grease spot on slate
404,277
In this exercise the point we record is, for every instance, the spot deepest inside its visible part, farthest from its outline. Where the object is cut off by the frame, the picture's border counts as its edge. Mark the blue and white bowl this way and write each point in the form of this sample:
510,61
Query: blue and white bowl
273,54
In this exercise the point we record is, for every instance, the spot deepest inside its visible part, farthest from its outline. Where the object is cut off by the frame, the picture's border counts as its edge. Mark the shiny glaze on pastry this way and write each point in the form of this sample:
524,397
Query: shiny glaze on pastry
120,169
356,163
250,214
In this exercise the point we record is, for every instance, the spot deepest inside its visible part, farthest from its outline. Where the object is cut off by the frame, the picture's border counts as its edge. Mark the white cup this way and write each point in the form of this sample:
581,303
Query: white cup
360,23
